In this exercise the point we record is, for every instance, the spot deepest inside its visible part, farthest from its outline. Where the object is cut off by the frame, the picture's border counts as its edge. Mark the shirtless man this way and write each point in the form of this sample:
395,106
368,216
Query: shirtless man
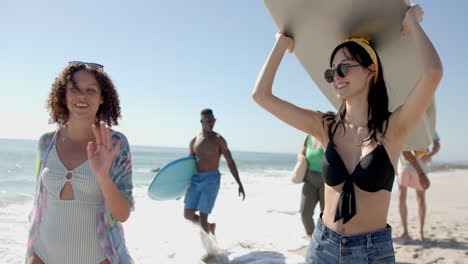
207,148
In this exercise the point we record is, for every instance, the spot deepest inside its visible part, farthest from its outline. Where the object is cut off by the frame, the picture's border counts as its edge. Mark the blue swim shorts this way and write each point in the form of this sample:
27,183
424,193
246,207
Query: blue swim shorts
203,190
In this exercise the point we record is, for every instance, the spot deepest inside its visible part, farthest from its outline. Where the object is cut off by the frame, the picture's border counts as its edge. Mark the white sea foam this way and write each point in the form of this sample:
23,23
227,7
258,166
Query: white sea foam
261,229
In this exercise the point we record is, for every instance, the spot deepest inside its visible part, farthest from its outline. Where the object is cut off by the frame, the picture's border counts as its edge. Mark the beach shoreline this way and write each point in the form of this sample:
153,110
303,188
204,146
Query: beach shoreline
266,226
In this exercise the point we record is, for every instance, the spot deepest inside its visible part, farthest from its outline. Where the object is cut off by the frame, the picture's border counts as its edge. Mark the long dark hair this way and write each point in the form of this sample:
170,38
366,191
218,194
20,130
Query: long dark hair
377,99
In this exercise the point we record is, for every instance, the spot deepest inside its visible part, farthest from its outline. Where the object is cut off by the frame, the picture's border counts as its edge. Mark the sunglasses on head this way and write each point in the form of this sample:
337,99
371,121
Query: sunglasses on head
90,64
341,69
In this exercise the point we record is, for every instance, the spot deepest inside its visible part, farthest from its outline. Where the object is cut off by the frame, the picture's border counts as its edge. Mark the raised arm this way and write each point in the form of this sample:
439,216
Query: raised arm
407,116
102,155
308,121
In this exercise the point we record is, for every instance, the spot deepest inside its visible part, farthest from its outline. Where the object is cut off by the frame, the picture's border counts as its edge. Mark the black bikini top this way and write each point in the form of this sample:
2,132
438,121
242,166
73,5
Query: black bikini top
374,172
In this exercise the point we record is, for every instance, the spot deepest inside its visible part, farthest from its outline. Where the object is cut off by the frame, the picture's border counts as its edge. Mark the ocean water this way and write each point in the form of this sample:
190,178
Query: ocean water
17,158
264,228
160,225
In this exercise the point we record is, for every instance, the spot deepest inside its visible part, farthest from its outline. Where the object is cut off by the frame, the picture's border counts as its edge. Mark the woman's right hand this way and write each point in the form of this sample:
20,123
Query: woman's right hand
285,41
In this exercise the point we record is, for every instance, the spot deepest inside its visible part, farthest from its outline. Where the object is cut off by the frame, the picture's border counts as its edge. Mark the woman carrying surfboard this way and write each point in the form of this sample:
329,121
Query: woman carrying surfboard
84,174
362,141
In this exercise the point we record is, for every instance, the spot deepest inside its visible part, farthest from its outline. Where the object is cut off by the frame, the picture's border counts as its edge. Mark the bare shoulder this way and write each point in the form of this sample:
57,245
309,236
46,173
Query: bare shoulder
221,143
218,136
220,139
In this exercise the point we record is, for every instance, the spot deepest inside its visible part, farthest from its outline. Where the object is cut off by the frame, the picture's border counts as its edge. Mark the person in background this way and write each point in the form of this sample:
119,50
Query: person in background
412,172
207,148
312,189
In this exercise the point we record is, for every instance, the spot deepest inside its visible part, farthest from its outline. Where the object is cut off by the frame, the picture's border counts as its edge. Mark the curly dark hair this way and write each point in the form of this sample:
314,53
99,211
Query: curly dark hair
108,112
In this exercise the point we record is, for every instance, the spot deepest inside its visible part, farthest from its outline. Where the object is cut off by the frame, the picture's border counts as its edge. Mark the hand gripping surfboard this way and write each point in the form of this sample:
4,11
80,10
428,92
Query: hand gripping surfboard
318,26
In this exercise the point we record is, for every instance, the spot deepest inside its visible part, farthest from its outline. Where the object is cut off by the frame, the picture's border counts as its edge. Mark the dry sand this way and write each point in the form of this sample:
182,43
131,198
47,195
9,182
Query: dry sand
446,226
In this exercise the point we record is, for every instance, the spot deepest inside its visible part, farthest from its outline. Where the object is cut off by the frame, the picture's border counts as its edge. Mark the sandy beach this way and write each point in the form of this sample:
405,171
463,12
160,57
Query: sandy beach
266,227
245,236
445,228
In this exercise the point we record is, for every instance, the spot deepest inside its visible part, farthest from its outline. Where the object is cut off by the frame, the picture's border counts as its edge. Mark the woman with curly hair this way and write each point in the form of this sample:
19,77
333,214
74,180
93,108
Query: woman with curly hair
84,174
362,141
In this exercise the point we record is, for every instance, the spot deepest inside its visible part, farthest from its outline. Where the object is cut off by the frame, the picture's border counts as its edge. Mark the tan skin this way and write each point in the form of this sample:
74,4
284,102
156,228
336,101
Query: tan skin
80,140
207,147
371,207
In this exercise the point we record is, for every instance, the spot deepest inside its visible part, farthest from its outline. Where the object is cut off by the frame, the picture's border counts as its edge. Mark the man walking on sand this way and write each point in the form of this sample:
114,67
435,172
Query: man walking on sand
207,148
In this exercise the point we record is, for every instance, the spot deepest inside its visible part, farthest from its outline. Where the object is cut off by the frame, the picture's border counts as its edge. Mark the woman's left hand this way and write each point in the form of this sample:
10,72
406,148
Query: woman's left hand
101,154
414,11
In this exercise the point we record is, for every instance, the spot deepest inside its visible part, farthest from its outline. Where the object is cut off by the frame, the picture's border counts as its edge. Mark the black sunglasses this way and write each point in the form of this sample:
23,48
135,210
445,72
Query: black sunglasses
209,119
90,64
341,69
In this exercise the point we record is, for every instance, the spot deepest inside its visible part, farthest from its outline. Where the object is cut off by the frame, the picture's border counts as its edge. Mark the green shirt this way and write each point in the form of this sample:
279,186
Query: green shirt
314,156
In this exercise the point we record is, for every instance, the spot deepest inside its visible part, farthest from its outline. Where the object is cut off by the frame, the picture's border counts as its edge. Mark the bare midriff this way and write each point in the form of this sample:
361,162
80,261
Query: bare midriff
371,211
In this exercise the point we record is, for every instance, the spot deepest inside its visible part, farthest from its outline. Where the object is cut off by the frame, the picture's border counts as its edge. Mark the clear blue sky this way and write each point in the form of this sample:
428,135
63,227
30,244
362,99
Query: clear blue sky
170,59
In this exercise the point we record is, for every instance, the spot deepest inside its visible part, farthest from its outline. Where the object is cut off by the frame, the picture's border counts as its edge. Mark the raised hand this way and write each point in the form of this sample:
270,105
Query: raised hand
288,42
101,154
414,13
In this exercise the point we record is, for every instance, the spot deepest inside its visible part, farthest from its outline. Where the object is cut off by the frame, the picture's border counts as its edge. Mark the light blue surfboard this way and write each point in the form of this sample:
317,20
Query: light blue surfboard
172,181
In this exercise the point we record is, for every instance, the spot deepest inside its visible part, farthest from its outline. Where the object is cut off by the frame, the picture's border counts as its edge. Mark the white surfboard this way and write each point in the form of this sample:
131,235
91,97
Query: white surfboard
318,26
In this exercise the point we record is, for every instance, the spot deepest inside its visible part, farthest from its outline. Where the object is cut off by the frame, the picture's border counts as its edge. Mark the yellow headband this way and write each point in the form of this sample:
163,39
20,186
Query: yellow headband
366,45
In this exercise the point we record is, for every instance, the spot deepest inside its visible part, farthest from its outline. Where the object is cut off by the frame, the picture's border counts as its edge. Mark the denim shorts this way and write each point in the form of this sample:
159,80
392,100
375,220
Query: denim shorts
328,246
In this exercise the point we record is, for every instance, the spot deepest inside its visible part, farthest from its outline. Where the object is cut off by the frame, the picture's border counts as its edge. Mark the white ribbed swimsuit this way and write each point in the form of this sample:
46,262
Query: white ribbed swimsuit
68,229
